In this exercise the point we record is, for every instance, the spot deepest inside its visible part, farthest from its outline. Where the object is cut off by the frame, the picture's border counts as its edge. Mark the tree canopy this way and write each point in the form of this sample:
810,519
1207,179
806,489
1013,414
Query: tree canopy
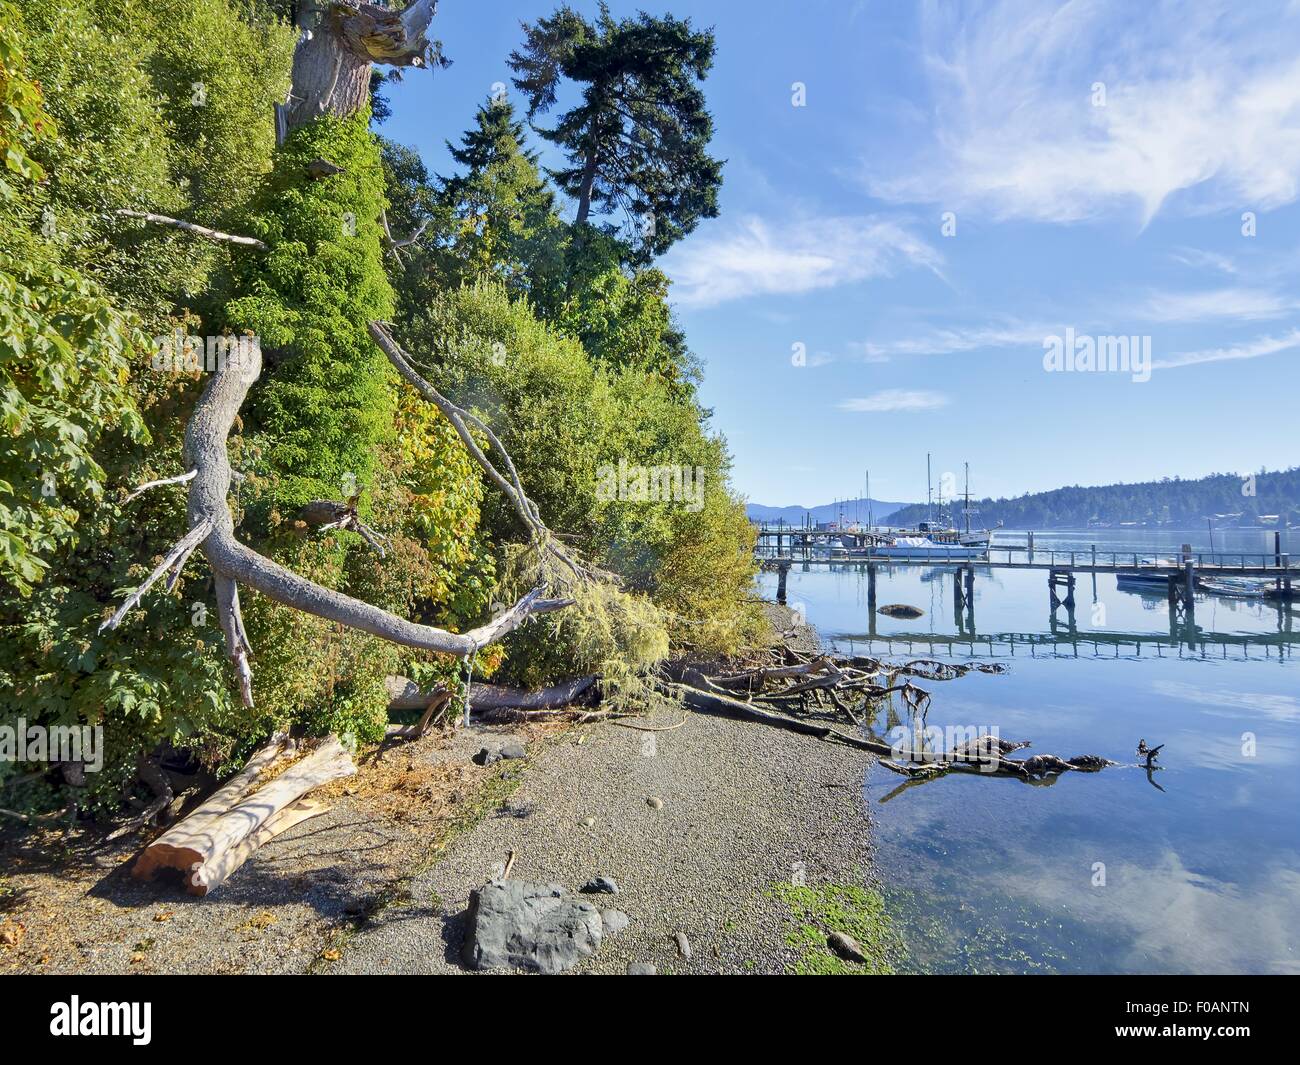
638,140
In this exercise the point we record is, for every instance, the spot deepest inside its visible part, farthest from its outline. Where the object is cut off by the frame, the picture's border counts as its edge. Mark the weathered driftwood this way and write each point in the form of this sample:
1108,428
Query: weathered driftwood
212,874
220,836
175,848
984,754
496,697
330,761
405,694
695,692
433,702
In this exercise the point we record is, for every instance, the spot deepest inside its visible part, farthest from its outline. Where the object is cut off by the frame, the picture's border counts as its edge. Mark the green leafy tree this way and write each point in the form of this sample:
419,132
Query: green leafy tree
638,139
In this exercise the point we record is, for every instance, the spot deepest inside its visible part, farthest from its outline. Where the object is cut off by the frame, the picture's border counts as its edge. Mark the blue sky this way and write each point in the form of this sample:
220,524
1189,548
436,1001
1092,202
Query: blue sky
1098,159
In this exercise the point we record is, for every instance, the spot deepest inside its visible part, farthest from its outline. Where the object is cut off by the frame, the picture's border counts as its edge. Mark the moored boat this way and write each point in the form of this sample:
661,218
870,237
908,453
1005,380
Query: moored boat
914,547
1234,587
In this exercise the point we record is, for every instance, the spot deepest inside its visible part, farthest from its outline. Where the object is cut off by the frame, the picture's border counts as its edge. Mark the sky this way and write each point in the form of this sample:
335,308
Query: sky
918,197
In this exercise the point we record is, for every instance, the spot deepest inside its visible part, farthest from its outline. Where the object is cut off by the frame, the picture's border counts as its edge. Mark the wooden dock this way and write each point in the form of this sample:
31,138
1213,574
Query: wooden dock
779,547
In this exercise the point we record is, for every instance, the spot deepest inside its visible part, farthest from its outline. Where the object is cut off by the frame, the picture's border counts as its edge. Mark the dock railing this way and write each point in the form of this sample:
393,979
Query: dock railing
1090,559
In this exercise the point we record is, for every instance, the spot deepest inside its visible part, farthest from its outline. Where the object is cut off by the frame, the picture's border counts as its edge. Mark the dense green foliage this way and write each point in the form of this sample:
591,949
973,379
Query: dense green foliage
551,332
1229,499
64,355
327,399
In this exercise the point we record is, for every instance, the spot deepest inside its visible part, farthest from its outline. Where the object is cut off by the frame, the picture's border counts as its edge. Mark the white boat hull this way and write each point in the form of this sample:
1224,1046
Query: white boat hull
926,549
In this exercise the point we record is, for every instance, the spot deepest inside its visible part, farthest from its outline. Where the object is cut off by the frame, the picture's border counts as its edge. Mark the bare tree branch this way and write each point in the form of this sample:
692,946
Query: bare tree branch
175,556
462,421
178,479
191,227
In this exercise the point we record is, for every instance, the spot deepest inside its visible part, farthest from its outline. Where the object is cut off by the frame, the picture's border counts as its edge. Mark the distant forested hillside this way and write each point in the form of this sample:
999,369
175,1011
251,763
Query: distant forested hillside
852,509
1229,498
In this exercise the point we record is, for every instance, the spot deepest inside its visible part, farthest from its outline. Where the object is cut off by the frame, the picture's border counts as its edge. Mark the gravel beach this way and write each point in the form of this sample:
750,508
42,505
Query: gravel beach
744,808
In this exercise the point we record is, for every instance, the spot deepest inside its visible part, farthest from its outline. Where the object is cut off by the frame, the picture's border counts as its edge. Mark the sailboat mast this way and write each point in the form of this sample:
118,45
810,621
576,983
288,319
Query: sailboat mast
968,499
929,497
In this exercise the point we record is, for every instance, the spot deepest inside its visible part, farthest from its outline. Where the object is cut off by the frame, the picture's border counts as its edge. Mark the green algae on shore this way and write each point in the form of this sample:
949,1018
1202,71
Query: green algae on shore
856,911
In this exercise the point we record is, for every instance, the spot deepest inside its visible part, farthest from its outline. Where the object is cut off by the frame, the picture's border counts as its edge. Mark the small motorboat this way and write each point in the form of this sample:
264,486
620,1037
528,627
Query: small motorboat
1140,580
1234,587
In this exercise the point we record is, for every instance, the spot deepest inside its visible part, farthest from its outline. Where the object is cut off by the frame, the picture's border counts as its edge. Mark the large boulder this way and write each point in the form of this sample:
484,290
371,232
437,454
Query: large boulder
516,924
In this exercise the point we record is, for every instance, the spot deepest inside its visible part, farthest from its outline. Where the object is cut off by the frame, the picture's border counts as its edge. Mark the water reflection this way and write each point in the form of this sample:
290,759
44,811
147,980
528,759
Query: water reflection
1201,859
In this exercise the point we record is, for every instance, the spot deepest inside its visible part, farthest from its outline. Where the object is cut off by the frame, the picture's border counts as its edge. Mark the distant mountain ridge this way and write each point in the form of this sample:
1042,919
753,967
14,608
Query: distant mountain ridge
852,509
1229,499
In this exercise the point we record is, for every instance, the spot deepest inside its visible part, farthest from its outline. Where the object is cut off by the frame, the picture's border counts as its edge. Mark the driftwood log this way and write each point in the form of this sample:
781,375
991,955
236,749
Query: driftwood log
219,836
405,694
785,696
214,873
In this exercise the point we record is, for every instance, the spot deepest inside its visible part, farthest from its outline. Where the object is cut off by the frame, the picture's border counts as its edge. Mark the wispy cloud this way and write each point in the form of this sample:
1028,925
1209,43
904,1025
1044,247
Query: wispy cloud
1251,350
754,257
1232,303
1200,259
1284,708
950,341
1198,103
895,400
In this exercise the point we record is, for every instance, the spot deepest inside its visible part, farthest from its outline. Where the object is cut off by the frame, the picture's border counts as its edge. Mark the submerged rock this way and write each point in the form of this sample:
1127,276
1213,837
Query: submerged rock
518,924
900,610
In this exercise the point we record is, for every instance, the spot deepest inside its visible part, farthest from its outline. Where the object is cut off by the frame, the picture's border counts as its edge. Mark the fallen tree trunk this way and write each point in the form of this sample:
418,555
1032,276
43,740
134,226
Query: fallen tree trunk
213,874
695,693
405,694
495,697
162,852
202,846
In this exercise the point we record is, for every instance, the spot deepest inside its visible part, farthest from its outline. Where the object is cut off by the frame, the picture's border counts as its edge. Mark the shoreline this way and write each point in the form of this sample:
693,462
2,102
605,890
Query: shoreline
751,825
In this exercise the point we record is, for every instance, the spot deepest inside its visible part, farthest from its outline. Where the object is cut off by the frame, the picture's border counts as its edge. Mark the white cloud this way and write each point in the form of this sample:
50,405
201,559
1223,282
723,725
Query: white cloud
896,400
756,258
1201,100
1251,350
1239,303
1284,708
1200,259
951,341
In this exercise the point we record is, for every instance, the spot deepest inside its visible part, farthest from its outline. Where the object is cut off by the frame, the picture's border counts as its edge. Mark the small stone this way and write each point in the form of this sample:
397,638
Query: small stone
615,921
487,756
655,803
683,946
600,885
641,968
590,822
513,750
845,946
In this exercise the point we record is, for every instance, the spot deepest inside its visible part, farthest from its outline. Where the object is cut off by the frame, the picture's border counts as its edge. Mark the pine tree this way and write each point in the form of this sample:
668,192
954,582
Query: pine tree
639,137
501,203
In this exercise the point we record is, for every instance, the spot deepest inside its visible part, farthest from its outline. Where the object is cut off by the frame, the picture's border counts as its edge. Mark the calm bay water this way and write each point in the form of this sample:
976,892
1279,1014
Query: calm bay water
1201,860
